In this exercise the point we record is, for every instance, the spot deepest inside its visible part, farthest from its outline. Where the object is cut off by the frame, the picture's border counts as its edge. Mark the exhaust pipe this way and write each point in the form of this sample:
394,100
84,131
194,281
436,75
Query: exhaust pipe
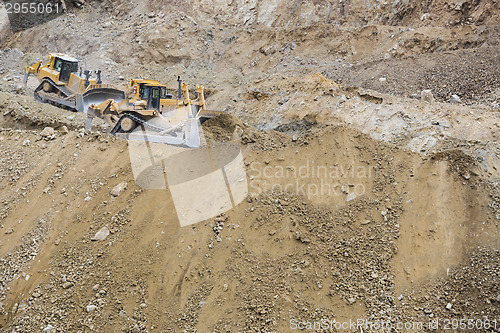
99,81
87,77
179,94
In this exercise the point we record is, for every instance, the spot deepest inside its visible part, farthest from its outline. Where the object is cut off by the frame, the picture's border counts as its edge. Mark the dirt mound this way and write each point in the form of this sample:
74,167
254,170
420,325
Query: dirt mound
363,198
329,225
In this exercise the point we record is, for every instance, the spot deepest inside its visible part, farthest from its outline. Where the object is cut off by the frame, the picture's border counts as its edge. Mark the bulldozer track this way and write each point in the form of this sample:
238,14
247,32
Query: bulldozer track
52,99
140,122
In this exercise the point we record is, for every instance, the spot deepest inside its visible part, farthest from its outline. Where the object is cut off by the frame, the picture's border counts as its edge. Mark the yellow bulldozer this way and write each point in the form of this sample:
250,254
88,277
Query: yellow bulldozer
150,113
63,83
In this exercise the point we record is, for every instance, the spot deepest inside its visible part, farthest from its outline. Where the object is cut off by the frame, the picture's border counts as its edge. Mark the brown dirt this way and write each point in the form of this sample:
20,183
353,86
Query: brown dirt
364,201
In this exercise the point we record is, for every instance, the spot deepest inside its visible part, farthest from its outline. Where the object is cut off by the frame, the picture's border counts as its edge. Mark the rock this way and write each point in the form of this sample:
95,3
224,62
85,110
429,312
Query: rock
101,235
48,328
498,298
47,131
67,285
9,231
121,77
237,134
427,96
65,130
26,142
455,99
36,294
119,189
448,306
352,300
91,307
444,123
382,79
350,197
225,287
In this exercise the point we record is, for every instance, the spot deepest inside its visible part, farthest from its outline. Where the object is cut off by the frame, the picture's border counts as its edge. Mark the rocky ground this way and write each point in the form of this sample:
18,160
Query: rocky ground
369,134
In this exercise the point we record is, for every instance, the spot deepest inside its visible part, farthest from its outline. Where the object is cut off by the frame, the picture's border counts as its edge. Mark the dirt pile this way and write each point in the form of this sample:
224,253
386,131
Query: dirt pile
300,254
365,200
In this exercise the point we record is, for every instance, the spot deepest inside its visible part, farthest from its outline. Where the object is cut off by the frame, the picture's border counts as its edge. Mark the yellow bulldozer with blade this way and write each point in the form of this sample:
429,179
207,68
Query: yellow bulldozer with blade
150,113
63,83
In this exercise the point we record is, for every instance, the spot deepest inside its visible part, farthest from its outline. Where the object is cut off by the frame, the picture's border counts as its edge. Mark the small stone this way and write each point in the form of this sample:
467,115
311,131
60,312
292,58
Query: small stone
382,79
67,285
427,96
91,307
444,123
455,99
498,298
48,328
96,287
101,235
121,77
448,306
65,130
350,197
26,142
9,231
225,287
47,131
36,294
352,300
119,189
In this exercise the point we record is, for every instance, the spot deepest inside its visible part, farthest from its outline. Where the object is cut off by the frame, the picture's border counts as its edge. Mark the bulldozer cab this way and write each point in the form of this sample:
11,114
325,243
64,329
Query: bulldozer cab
65,66
153,94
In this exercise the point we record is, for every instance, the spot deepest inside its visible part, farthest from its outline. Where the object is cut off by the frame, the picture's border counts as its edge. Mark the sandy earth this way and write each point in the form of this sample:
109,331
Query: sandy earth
364,201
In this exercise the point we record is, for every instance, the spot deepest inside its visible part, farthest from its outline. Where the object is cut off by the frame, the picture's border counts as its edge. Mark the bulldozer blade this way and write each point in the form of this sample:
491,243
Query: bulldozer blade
193,133
97,96
88,123
25,80
183,135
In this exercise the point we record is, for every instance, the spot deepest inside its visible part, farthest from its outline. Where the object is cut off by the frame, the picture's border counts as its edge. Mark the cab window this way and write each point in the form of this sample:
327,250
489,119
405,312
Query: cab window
58,64
144,93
